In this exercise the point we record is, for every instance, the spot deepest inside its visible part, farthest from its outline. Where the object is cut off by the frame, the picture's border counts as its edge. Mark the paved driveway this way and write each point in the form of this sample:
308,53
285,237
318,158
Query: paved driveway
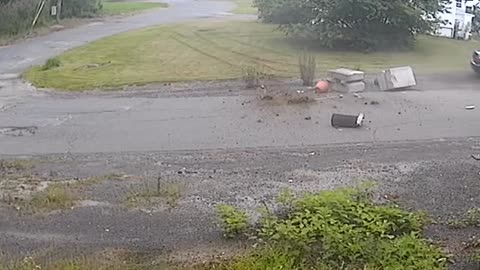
18,57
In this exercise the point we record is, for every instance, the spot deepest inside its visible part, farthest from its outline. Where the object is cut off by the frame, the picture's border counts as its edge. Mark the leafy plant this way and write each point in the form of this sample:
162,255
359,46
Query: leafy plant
51,63
358,25
307,65
471,218
342,229
233,221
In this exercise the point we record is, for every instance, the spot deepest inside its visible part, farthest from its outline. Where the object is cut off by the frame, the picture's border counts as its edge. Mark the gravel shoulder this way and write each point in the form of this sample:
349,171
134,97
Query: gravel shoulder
439,177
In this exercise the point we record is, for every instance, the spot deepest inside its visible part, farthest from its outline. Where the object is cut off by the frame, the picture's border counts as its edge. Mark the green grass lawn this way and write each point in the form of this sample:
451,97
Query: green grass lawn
222,50
122,7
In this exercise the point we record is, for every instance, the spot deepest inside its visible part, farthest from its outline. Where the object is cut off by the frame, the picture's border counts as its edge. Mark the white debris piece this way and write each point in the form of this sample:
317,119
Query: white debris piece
396,78
347,80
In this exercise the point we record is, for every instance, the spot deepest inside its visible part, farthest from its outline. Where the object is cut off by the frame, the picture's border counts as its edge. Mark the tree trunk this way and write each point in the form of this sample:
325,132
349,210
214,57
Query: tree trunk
59,10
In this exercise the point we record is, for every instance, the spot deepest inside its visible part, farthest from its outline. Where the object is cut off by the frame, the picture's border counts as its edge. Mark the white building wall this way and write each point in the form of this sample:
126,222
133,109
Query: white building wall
457,13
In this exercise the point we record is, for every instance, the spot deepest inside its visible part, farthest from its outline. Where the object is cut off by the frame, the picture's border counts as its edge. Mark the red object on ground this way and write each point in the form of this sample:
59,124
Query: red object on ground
322,86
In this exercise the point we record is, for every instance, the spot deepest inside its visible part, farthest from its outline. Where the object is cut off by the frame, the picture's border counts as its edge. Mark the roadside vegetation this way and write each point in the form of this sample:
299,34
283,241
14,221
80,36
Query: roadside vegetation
162,193
341,229
221,51
112,7
330,230
17,16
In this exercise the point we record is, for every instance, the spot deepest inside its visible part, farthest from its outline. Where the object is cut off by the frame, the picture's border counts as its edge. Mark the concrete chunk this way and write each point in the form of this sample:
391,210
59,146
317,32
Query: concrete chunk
396,78
353,87
346,75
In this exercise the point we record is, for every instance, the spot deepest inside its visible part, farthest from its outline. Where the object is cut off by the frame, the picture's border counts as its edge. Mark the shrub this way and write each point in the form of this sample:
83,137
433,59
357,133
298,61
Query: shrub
280,11
51,63
251,77
307,65
16,16
81,8
359,25
233,221
342,229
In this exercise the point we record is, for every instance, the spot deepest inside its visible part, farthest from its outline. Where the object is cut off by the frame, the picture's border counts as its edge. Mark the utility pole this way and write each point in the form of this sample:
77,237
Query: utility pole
59,10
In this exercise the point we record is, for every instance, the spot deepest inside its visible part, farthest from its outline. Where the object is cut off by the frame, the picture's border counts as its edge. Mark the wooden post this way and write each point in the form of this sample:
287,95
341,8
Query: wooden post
40,9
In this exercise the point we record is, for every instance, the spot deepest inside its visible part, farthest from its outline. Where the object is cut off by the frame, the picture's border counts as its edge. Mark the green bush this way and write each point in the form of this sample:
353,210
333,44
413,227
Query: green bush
280,11
81,8
342,229
16,17
51,63
233,221
359,25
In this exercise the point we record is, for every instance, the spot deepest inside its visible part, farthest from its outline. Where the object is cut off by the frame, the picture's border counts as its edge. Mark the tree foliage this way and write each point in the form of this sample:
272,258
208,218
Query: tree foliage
357,24
16,16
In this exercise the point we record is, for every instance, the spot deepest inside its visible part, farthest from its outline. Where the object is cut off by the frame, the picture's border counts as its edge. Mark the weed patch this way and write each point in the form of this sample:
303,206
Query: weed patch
51,64
471,218
308,66
233,221
166,193
251,77
56,196
342,229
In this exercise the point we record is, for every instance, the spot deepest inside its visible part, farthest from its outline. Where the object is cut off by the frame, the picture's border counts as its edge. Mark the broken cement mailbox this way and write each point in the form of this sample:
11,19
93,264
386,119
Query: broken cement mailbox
396,78
347,80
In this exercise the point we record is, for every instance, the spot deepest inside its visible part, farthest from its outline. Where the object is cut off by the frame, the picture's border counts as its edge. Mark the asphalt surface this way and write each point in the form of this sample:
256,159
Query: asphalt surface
42,123
20,56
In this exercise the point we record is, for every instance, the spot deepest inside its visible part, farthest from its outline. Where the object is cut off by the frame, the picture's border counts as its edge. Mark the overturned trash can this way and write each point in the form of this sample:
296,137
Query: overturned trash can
347,121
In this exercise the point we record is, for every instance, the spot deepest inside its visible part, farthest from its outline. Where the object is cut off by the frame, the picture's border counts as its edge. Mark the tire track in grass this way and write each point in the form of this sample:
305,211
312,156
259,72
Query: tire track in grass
175,36
257,60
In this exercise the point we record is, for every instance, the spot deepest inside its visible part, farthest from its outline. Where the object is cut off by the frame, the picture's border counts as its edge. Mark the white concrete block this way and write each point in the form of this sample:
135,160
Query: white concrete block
396,78
353,87
346,75
402,77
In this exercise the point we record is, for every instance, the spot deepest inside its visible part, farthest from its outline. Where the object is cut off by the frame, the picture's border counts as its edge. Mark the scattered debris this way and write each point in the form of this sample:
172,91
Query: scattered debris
299,100
348,121
476,157
396,78
266,97
357,95
470,107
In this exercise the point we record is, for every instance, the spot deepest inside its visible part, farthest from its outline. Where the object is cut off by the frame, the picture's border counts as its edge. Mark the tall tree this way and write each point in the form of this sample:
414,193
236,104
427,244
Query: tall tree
363,24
